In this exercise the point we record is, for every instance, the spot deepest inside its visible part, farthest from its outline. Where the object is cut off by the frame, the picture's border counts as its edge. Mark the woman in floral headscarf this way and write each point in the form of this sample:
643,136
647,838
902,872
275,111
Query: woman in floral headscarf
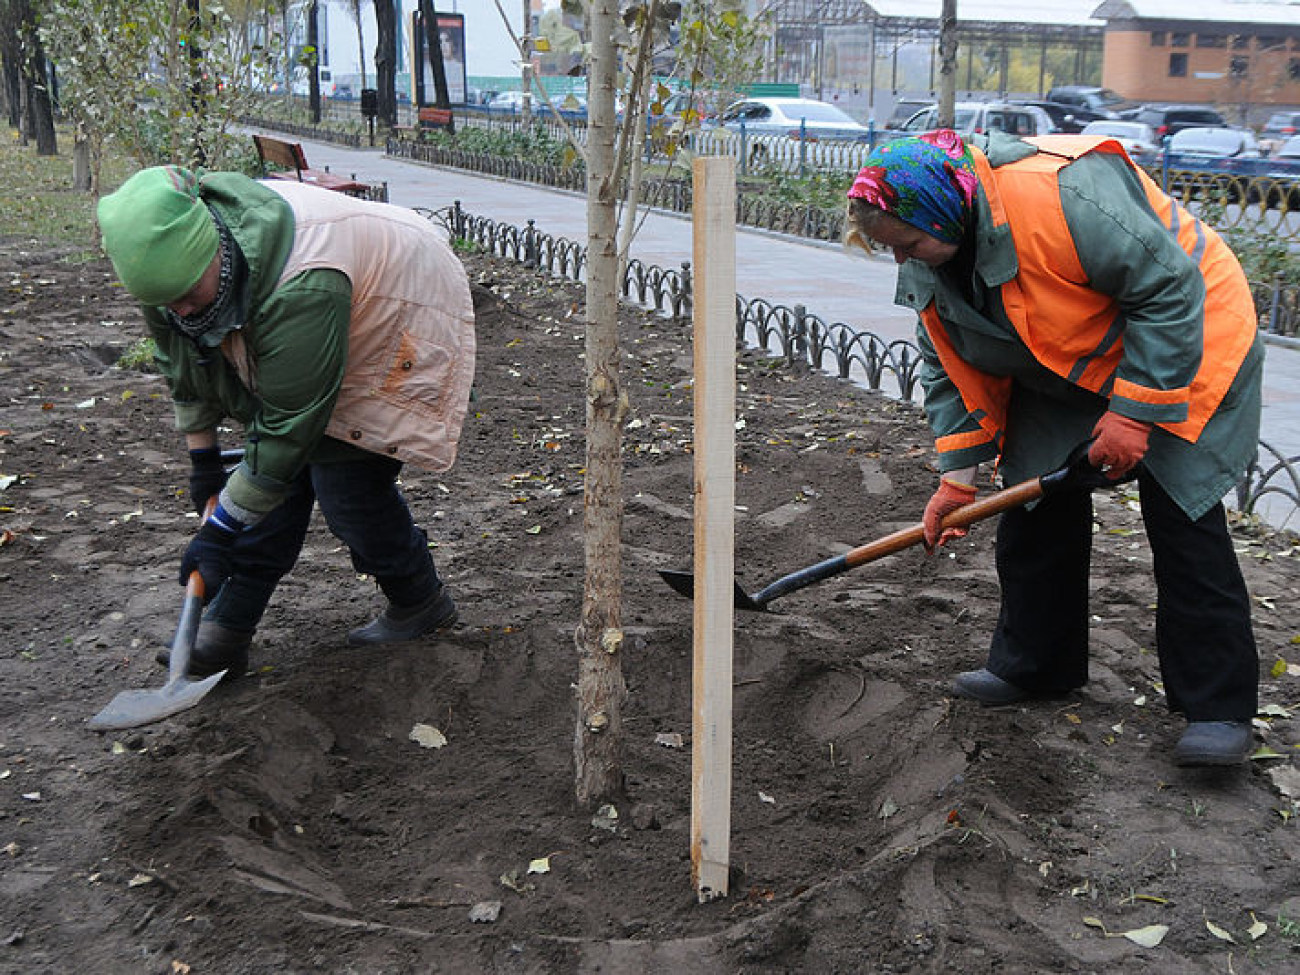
1064,298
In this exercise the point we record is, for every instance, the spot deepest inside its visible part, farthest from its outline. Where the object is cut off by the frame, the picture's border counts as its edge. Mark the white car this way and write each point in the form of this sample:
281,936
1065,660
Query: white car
1137,138
974,118
1215,143
794,118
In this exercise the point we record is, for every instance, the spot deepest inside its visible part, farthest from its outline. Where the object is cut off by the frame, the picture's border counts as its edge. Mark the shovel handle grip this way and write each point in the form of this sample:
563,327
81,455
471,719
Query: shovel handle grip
963,517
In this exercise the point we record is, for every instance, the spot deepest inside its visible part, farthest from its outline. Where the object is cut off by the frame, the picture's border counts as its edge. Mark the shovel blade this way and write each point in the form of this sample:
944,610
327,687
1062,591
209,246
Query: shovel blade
134,709
683,583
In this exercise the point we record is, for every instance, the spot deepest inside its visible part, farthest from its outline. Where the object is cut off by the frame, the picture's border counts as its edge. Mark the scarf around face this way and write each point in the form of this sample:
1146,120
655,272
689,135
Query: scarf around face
927,181
229,308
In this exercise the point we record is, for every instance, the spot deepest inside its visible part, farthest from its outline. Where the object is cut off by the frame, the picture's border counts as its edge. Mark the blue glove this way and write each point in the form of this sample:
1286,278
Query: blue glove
209,552
207,476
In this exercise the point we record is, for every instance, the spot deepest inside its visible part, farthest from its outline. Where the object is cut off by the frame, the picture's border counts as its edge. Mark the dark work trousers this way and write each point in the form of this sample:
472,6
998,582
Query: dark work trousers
363,508
1208,660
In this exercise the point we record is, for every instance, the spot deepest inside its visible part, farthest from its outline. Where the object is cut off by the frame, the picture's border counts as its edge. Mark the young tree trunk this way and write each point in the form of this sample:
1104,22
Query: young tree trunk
386,64
361,40
36,87
313,80
598,736
947,62
433,51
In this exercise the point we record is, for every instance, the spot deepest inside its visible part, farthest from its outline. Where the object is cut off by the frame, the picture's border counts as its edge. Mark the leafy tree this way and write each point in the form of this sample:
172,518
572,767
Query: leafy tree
166,81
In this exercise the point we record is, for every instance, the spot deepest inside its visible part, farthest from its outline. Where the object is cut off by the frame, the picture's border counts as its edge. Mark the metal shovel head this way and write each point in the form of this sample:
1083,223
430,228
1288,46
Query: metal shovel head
132,709
683,583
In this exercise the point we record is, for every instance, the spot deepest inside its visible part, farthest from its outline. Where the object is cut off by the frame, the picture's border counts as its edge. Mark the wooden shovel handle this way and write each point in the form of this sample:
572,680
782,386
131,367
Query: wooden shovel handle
963,517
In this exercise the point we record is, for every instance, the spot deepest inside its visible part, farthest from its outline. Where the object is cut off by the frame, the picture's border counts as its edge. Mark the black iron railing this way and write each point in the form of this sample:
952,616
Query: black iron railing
888,366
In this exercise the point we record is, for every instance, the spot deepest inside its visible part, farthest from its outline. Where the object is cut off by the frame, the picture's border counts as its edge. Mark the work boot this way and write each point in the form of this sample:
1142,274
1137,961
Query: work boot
987,687
400,623
216,648
1213,743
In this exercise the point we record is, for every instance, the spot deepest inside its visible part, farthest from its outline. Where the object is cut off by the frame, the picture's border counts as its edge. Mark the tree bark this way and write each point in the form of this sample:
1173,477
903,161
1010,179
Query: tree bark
433,51
10,59
386,63
601,690
947,62
313,79
37,104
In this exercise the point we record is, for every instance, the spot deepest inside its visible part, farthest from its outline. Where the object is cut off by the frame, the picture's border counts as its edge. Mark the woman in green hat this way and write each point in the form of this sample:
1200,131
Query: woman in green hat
340,334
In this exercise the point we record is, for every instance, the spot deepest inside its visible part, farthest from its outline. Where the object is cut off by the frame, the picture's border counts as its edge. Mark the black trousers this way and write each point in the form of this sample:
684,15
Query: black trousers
363,507
1206,647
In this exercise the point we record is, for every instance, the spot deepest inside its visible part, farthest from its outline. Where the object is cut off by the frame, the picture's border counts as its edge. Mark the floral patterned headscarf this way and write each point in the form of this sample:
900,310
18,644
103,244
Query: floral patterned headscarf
928,181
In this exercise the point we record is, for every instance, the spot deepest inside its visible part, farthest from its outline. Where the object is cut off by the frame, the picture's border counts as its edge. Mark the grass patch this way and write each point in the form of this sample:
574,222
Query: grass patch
36,196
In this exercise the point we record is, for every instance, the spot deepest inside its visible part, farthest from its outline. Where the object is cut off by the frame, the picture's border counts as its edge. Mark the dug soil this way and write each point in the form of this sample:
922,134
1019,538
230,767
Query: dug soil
290,823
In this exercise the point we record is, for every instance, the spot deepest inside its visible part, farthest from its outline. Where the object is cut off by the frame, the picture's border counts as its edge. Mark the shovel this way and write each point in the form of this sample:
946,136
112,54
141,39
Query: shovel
1077,474
131,709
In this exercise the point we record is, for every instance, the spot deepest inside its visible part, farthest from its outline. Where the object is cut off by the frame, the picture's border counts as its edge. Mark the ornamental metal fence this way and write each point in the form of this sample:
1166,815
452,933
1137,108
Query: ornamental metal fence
1277,300
802,339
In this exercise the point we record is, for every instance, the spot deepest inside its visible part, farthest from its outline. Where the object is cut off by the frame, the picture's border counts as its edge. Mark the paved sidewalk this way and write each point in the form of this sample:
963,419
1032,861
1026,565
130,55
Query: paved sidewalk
828,281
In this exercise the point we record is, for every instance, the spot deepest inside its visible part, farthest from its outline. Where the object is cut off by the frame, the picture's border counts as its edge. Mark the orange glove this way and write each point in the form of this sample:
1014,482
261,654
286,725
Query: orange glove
1119,444
952,494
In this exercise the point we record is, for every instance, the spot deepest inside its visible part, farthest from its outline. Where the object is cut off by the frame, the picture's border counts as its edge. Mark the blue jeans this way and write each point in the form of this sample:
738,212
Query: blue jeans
363,508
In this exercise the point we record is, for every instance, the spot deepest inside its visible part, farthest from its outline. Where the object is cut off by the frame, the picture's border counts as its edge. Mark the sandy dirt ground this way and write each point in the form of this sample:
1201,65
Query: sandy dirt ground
289,823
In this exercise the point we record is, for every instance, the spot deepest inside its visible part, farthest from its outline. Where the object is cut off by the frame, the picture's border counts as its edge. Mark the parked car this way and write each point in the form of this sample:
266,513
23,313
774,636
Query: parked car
1137,138
973,118
1279,127
1289,149
793,117
1172,119
1065,117
1107,103
904,109
1215,143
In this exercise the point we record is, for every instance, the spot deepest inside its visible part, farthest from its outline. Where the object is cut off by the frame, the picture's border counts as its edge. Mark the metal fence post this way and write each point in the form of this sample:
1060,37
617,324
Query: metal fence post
1274,303
530,244
686,307
799,345
803,145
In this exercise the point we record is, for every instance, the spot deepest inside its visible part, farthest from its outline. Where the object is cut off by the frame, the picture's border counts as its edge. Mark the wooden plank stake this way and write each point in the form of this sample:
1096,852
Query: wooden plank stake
715,495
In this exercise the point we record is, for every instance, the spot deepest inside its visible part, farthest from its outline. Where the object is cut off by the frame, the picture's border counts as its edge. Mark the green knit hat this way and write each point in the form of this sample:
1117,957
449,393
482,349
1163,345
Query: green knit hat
158,233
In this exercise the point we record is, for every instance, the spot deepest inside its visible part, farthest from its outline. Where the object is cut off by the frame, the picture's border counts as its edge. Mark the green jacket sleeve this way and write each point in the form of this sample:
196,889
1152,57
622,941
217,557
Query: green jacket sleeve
945,411
297,341
1128,254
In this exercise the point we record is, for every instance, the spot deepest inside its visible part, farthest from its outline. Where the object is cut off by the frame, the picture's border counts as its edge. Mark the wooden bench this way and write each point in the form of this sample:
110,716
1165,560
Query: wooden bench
427,118
293,162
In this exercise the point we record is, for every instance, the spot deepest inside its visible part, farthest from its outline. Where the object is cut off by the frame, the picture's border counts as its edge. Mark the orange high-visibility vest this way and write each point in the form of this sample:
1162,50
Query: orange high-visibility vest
1051,289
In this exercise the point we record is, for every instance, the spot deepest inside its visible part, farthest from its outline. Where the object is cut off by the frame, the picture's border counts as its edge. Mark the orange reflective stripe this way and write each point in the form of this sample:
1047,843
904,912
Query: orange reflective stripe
1145,394
960,441
985,396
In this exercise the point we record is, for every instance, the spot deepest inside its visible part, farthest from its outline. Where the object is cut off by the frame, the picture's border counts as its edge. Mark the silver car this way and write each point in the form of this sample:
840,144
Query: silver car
1137,138
795,118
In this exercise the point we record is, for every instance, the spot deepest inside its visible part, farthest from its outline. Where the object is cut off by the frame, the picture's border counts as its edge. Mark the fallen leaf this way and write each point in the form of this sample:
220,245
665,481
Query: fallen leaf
1148,937
6,480
1264,752
888,808
1274,711
535,530
764,797
540,865
1257,928
485,912
1219,933
427,736
1279,666
669,739
139,880
32,796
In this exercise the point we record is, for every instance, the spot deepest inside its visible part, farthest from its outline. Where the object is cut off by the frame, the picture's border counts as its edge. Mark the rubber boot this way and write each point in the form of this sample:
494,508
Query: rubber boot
216,648
397,624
